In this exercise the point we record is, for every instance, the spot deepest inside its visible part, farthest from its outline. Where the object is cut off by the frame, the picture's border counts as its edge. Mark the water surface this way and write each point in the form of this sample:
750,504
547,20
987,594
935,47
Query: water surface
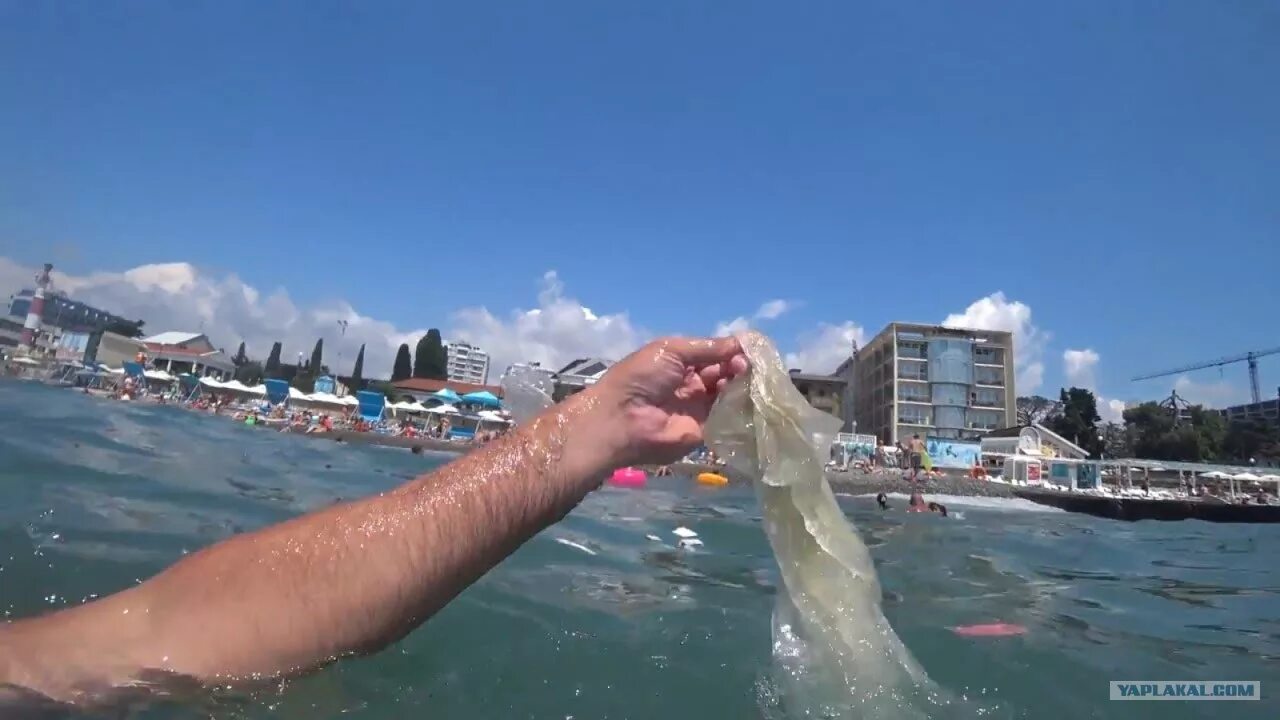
97,495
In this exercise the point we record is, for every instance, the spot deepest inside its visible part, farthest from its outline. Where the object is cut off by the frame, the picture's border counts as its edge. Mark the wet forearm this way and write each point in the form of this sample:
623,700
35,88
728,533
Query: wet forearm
354,577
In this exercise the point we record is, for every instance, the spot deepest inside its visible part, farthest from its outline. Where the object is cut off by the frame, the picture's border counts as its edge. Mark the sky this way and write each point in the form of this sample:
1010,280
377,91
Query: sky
551,181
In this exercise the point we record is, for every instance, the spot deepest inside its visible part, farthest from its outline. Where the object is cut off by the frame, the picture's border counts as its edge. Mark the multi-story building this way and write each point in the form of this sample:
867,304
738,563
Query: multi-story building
579,375
61,311
934,381
467,363
824,392
1267,411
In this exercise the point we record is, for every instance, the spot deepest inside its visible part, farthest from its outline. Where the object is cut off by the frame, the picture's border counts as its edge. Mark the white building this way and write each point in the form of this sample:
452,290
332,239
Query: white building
467,363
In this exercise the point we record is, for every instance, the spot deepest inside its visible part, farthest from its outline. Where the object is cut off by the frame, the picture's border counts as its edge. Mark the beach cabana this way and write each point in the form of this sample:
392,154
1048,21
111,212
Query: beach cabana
483,398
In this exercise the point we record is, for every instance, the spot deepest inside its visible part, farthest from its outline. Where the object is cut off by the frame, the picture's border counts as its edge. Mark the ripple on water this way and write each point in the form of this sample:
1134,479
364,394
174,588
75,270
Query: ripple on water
99,495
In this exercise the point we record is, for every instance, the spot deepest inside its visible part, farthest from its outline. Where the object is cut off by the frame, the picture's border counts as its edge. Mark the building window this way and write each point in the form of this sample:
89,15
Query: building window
913,371
913,393
913,415
987,397
988,376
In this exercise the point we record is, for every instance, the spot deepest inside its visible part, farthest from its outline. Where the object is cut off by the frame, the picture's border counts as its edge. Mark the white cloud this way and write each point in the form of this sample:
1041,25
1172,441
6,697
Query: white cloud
768,310
1080,369
1212,395
995,312
555,332
1078,366
823,350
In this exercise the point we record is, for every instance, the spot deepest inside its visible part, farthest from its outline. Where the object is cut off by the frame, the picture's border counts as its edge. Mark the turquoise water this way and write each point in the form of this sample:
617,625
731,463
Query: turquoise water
97,495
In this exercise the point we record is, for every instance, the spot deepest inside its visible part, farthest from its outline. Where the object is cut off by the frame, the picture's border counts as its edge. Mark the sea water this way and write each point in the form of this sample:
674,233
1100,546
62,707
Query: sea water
605,616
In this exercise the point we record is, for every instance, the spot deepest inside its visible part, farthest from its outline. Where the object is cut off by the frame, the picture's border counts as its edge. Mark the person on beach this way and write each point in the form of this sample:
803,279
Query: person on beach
353,577
916,450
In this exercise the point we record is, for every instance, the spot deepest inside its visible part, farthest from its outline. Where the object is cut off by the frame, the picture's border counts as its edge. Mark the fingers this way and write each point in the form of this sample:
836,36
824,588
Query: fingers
700,353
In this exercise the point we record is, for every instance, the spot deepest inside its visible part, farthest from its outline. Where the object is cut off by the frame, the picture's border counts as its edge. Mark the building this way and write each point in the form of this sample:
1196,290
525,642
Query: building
823,392
1035,440
467,363
421,389
579,375
1267,411
934,381
62,312
182,352
114,349
847,373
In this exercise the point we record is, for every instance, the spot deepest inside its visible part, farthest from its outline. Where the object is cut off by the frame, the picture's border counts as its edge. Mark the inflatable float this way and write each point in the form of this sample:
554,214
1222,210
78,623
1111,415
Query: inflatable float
710,478
627,477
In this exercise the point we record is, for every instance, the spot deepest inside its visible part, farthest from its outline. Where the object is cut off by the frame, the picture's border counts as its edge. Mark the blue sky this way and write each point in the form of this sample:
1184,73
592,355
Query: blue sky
1115,167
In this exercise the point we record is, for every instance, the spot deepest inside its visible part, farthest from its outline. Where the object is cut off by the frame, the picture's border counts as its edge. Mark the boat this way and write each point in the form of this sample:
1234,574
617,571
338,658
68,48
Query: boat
1131,508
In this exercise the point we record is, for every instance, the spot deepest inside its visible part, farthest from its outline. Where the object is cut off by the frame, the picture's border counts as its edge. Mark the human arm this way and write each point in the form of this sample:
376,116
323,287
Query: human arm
352,578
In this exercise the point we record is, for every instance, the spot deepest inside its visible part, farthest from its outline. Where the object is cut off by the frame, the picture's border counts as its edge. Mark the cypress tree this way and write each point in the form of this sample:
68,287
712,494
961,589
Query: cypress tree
403,368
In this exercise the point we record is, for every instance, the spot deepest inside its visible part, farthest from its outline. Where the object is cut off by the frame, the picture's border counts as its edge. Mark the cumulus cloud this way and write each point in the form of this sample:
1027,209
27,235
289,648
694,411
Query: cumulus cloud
1078,366
1080,369
822,350
554,333
768,310
995,312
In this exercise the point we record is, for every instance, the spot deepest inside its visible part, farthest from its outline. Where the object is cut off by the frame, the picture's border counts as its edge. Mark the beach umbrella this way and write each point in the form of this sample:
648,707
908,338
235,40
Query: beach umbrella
1215,475
348,400
445,395
24,361
490,416
443,409
257,390
1246,477
159,375
296,394
210,382
482,397
326,398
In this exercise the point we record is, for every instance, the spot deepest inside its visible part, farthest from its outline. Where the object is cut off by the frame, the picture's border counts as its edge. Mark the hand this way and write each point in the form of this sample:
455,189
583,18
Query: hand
659,397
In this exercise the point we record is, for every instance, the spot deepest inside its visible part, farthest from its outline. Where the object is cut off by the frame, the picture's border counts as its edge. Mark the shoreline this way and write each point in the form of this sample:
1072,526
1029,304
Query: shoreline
848,483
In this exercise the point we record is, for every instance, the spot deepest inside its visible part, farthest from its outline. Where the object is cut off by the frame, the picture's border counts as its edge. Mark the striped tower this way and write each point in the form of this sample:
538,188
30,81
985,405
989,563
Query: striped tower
36,313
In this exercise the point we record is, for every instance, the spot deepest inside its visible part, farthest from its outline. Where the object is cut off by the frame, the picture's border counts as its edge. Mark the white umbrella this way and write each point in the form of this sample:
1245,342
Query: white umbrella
324,397
236,386
115,371
158,375
1246,477
490,416
211,382
1215,475
348,400
24,361
257,390
443,409
296,394
414,406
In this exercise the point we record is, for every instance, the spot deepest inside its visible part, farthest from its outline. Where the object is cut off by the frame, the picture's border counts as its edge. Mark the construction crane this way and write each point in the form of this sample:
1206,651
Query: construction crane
1249,357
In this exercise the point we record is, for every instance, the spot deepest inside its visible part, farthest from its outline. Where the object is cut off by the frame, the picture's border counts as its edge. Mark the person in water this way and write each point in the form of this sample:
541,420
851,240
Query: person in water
354,577
883,501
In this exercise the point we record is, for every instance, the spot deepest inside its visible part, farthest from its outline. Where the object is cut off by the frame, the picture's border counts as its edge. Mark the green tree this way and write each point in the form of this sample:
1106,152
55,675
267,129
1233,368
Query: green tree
1034,409
386,388
240,358
430,360
272,368
317,361
250,373
1156,435
1078,421
1247,440
357,373
403,368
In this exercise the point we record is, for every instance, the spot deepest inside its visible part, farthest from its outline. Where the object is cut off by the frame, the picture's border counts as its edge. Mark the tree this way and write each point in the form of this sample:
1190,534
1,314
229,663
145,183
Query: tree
272,367
240,358
1116,441
403,369
304,382
1247,440
250,373
1036,409
125,328
386,388
357,373
316,357
430,360
1078,421
1156,435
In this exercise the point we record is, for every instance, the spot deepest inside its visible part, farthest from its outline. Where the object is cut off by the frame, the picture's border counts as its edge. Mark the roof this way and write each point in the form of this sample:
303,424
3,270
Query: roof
814,377
172,338
430,385
1044,431
590,366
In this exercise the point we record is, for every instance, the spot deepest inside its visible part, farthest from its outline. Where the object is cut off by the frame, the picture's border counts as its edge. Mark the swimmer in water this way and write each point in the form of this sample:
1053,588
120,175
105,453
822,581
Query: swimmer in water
916,504
351,578
883,501
938,508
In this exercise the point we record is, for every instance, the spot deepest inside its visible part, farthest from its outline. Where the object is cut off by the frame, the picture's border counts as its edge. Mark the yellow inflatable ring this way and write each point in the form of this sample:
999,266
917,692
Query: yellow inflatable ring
709,478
